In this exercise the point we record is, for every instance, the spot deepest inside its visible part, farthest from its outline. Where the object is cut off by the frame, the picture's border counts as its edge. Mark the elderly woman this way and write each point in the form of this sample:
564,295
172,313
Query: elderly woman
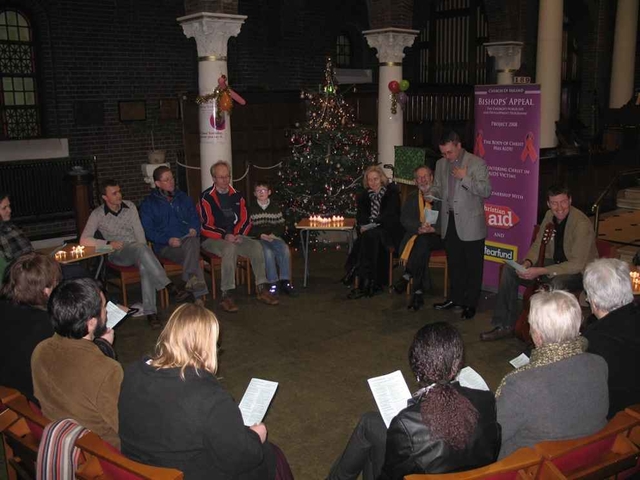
445,428
562,393
174,412
379,228
24,320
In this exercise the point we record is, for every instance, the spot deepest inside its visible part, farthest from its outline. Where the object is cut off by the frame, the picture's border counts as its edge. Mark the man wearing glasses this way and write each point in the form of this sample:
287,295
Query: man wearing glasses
171,223
225,226
571,248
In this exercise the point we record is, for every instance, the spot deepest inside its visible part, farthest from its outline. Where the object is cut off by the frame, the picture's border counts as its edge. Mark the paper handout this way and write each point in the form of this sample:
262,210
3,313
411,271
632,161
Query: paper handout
431,216
520,361
390,393
469,378
256,400
515,265
114,314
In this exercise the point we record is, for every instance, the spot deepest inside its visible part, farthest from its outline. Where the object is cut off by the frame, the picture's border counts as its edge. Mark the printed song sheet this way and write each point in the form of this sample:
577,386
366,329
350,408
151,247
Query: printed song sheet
520,361
114,314
431,216
256,400
469,378
390,393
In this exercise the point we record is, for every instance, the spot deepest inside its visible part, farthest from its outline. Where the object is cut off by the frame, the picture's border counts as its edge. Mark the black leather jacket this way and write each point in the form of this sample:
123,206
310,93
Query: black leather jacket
411,447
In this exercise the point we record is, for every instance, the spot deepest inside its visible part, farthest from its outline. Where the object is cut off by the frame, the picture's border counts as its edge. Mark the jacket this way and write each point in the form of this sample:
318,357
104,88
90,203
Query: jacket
616,338
213,220
468,200
163,219
579,244
193,425
411,447
389,218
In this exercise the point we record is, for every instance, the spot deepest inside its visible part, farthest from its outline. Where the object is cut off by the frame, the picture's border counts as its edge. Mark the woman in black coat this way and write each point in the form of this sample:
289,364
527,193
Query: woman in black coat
446,427
379,229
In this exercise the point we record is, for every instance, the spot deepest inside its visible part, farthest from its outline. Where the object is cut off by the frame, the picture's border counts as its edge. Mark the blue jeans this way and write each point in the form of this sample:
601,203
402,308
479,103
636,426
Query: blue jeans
276,258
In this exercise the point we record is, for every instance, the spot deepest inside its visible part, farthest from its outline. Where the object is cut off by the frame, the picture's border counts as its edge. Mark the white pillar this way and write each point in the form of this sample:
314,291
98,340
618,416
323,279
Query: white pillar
212,32
507,59
390,43
548,68
624,53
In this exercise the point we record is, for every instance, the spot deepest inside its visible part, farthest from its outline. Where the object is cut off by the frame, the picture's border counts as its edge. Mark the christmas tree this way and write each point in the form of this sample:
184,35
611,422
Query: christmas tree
329,154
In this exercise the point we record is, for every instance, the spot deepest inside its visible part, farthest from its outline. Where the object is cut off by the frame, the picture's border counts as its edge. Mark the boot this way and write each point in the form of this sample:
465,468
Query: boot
417,302
347,280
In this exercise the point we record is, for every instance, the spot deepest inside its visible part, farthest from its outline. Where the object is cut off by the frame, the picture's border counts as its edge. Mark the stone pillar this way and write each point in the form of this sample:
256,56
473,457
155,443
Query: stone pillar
507,59
390,43
548,68
624,53
212,32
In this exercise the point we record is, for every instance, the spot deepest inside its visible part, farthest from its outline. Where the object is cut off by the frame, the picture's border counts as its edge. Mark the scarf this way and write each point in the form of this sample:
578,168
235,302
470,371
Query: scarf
548,354
422,205
376,198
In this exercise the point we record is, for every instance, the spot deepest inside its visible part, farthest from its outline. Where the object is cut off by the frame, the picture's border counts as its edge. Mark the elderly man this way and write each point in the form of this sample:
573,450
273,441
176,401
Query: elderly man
225,224
119,225
171,222
71,376
562,393
462,182
421,238
566,255
616,334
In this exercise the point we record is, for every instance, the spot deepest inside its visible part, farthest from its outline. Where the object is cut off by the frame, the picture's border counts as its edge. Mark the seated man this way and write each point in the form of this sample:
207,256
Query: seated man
118,223
566,256
226,224
615,336
562,393
421,238
24,321
171,222
71,376
13,242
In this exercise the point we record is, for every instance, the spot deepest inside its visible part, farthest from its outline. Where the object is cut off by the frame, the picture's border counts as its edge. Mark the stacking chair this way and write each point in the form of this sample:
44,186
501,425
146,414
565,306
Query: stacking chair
601,455
243,270
521,464
438,259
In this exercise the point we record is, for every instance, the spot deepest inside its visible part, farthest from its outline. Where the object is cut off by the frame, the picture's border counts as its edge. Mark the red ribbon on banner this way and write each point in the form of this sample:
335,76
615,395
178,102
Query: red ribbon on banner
529,149
478,149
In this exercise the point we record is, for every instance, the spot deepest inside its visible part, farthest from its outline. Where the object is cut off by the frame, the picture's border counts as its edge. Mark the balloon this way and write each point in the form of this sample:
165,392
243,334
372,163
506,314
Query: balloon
225,102
394,86
402,98
404,85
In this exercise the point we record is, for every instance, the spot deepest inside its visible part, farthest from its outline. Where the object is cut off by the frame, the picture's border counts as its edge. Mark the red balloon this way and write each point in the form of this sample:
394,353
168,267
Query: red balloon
394,86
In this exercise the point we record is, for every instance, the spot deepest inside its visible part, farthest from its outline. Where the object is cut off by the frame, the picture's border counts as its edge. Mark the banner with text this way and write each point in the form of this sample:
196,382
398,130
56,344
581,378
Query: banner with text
507,121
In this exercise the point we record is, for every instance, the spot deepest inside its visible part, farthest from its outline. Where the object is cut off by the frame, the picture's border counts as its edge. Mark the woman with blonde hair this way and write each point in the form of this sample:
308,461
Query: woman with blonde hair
174,412
379,230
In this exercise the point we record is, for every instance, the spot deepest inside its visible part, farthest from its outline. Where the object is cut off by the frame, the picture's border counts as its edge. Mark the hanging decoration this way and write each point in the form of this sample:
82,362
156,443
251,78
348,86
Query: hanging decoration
398,95
223,96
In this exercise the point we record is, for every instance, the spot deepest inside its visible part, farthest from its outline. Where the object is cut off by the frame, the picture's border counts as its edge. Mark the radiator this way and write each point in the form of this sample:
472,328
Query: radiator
41,189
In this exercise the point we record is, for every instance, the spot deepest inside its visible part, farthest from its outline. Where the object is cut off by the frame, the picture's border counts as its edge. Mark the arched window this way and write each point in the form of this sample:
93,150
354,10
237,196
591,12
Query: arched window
344,52
20,117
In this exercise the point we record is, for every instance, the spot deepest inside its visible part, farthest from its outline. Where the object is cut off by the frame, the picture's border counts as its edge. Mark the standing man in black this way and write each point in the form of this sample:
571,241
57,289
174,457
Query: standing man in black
462,183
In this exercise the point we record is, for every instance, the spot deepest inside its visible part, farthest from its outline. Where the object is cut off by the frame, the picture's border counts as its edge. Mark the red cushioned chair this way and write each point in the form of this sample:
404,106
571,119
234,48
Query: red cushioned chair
521,464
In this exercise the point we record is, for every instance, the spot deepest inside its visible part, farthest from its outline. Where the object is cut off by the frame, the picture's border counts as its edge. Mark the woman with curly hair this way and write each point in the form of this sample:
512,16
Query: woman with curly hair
445,428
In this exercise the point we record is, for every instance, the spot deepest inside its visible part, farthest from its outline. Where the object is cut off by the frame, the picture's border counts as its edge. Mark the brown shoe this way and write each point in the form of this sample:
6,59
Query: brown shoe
154,321
497,333
228,305
265,297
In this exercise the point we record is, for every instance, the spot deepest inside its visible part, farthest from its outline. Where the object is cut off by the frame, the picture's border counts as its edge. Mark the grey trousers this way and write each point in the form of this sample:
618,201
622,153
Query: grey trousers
152,275
187,255
505,313
229,252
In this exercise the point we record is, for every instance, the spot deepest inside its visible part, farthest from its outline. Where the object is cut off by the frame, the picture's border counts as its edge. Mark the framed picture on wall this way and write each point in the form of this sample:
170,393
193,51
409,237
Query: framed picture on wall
169,109
132,111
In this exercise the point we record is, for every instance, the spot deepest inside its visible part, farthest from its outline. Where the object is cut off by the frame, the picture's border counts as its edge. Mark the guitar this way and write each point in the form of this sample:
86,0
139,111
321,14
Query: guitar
522,323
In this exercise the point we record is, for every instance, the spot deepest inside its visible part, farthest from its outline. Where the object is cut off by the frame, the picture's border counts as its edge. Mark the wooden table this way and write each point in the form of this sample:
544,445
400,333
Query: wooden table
65,256
306,226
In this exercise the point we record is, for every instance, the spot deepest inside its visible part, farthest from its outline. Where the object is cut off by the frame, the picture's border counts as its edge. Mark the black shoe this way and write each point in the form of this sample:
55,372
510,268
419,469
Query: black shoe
468,312
154,321
356,293
373,289
497,333
417,302
347,280
446,305
286,288
401,285
179,295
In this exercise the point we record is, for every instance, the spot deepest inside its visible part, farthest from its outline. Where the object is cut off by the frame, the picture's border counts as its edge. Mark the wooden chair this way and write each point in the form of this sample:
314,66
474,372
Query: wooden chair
213,262
634,436
104,462
596,456
438,259
129,276
606,249
521,464
172,269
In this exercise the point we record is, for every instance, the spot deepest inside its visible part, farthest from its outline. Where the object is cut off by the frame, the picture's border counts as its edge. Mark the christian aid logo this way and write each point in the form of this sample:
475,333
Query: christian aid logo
500,216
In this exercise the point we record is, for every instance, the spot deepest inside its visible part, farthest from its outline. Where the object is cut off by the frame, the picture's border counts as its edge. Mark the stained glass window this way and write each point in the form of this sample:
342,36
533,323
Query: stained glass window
19,99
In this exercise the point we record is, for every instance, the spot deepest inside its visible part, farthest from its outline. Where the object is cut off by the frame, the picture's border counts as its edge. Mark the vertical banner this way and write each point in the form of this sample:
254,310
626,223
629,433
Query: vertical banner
507,121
